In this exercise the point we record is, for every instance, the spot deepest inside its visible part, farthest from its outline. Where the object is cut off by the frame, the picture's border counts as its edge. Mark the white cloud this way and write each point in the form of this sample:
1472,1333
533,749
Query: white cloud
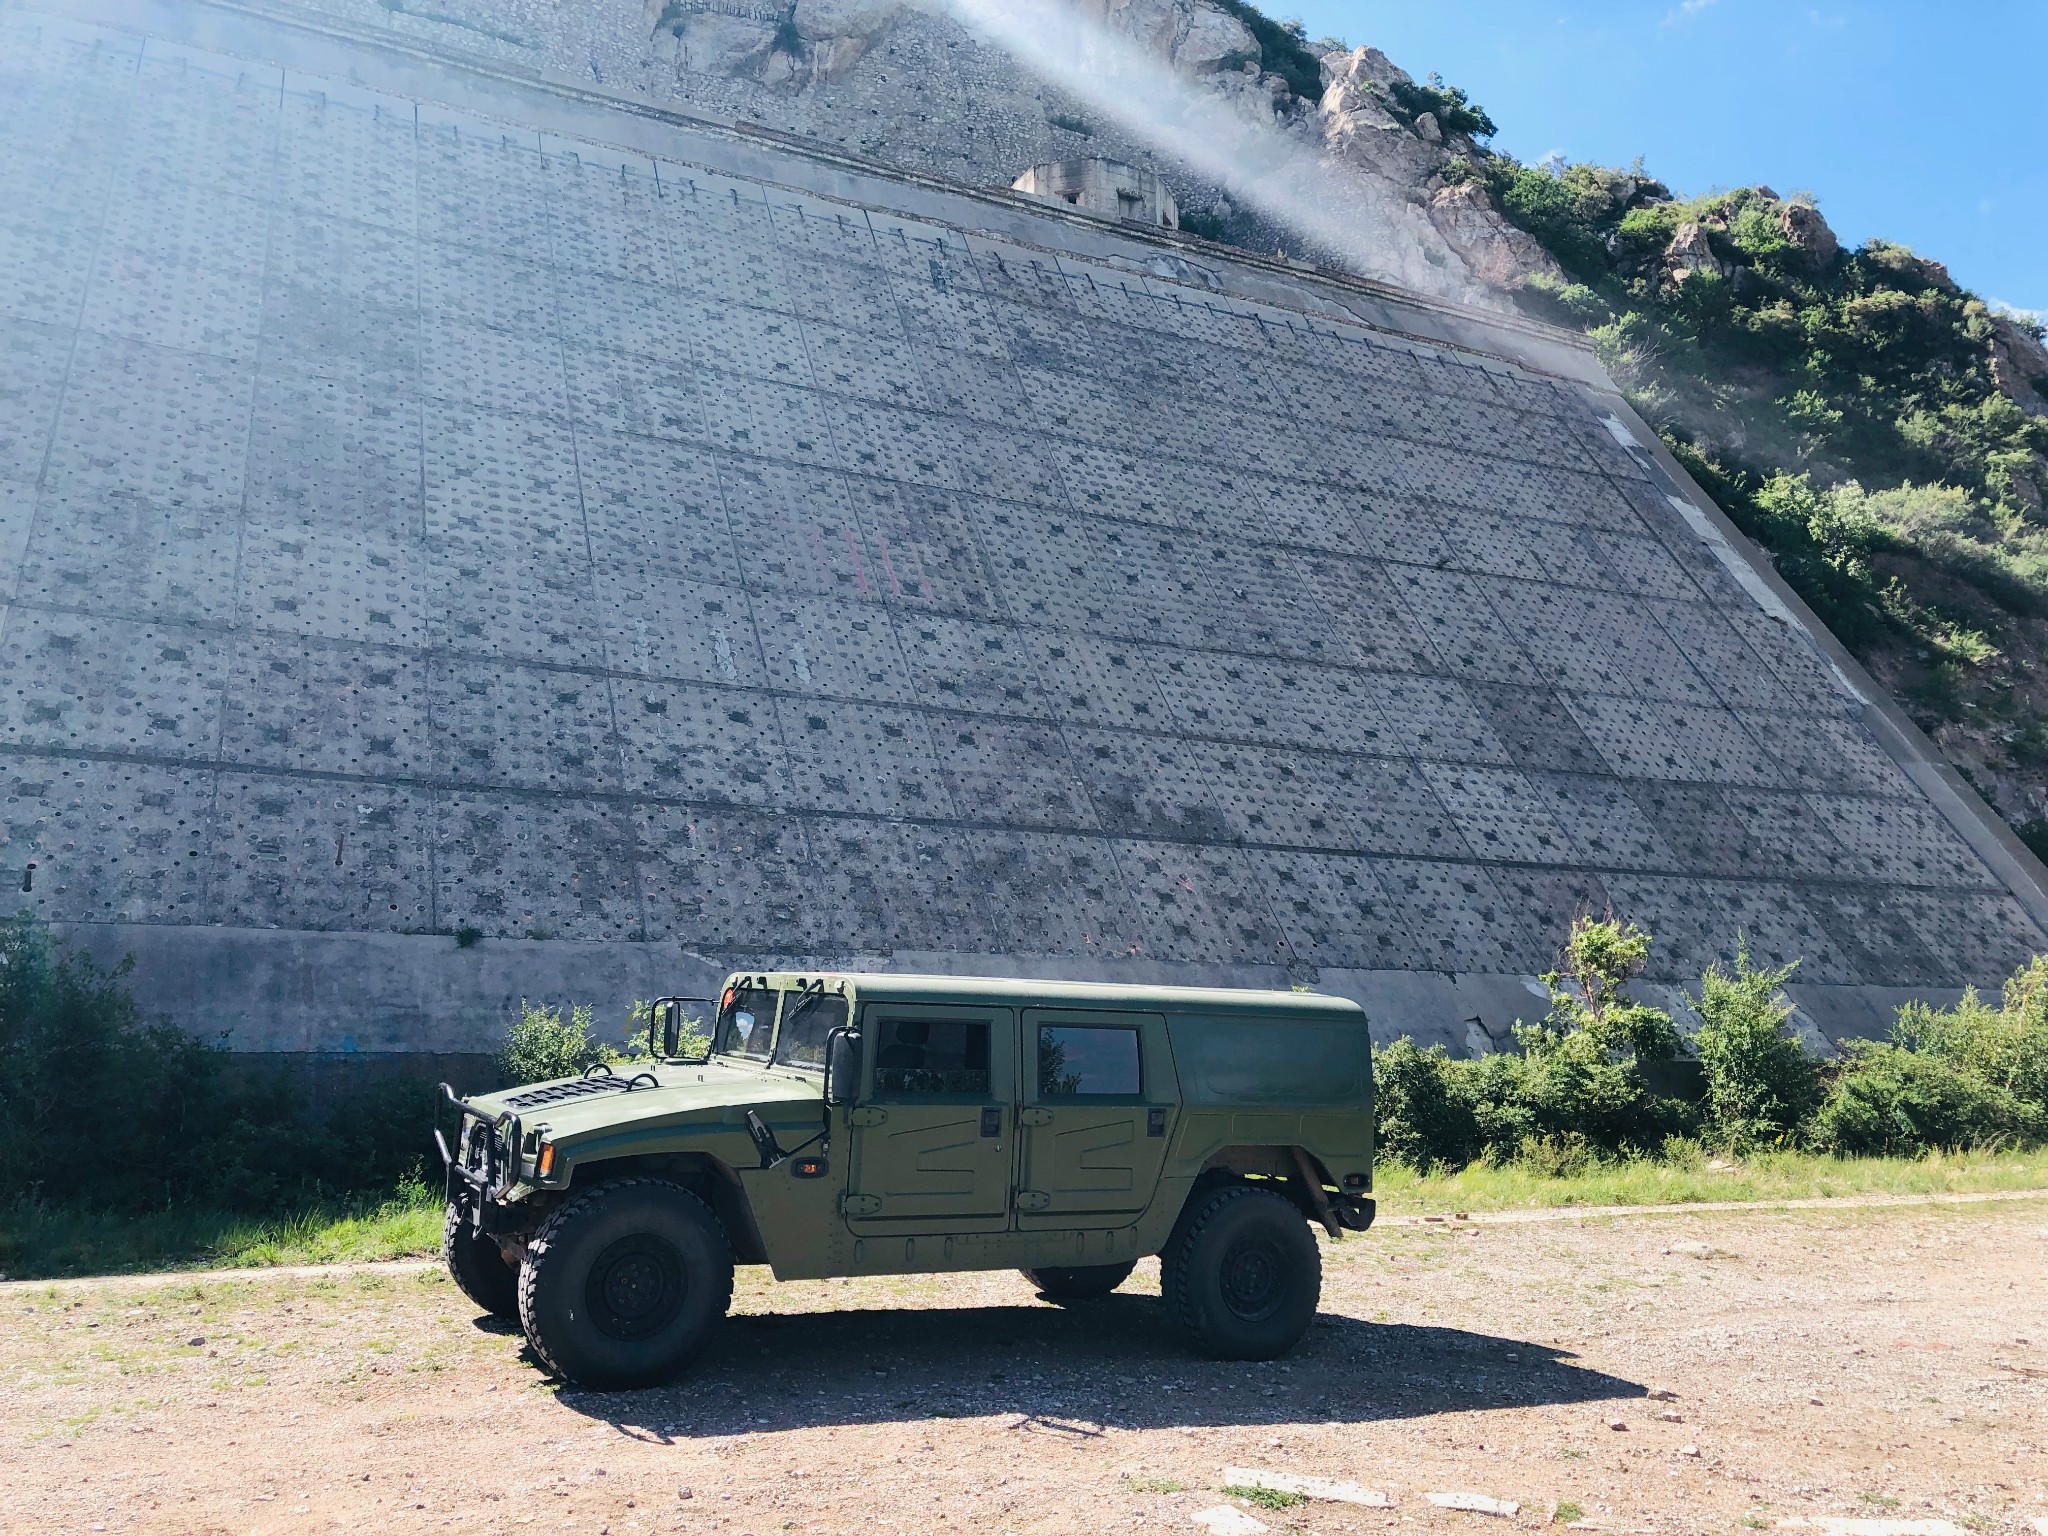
2019,312
1686,10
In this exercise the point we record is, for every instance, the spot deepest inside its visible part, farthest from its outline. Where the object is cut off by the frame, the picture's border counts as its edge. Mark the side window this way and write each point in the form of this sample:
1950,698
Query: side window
914,1056
1077,1060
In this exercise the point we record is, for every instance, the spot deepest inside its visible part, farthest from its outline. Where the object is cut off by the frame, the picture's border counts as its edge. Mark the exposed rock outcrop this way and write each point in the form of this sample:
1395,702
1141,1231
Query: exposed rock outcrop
1692,250
1805,228
1498,253
2019,365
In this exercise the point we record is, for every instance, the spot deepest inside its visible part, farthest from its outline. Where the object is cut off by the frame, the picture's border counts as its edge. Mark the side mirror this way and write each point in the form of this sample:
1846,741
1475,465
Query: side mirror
842,1066
666,1024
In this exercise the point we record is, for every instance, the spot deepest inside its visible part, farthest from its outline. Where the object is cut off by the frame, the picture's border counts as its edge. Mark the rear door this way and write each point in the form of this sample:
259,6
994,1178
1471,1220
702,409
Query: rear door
1098,1109
933,1133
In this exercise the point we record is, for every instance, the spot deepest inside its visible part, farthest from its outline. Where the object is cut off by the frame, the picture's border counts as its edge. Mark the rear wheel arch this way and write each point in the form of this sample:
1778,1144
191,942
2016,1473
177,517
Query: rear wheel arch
1287,1169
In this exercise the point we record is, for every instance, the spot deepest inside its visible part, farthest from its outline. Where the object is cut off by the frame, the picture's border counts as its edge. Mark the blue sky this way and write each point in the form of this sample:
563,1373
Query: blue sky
1919,121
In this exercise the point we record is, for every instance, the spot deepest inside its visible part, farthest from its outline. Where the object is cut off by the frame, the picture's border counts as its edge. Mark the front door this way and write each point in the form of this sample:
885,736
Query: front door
1099,1102
933,1130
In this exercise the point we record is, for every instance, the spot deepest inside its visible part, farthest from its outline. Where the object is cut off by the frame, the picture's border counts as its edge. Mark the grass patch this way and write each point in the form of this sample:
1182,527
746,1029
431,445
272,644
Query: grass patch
1767,1176
39,1241
1264,1498
1154,1484
1567,1511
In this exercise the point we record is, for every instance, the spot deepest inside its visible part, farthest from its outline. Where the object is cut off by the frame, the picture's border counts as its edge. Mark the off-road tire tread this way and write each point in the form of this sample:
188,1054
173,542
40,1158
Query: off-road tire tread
566,1216
1174,1287
497,1302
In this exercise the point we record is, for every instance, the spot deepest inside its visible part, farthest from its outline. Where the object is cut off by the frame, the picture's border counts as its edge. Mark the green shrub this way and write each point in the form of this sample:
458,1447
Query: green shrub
1455,113
2006,1046
1968,1076
1574,1091
1424,1103
100,1106
1283,49
1889,1101
1762,1086
544,1044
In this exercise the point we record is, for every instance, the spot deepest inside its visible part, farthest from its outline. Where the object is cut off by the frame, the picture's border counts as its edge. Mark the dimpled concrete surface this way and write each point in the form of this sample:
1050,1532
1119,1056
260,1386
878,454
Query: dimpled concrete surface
410,521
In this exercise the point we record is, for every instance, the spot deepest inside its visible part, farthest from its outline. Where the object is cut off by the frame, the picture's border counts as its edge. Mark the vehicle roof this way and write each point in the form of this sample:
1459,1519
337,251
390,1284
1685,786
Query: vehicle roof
890,986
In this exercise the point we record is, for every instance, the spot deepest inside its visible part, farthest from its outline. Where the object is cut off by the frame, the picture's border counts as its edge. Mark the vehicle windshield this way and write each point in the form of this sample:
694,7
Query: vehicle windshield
807,1018
746,1022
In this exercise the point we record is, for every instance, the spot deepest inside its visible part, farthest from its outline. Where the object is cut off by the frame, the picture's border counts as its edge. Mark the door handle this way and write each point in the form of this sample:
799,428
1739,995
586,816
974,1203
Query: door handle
991,1122
1034,1116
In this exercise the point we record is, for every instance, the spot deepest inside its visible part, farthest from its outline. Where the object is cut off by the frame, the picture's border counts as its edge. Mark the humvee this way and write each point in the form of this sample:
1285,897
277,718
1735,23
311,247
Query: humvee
875,1124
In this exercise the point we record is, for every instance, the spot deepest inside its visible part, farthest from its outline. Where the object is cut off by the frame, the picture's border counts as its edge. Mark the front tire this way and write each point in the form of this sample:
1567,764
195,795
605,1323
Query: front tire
1241,1275
477,1267
1081,1282
623,1286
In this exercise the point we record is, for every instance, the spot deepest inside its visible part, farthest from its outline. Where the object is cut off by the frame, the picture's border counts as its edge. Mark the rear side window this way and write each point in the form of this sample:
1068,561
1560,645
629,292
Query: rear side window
1075,1061
918,1056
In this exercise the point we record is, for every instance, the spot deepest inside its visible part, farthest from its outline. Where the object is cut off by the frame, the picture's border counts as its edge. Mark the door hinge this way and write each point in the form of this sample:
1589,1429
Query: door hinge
1033,1199
867,1114
859,1205
1032,1116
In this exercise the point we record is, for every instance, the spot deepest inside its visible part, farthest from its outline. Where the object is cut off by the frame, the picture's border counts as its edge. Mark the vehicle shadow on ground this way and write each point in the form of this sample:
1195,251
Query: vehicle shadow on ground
1078,1369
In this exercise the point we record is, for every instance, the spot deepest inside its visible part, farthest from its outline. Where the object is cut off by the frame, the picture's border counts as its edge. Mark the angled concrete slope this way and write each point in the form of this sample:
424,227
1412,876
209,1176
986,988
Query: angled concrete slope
432,499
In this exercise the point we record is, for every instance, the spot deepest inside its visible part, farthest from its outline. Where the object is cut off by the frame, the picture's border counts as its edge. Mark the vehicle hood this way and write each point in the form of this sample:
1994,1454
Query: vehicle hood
713,1092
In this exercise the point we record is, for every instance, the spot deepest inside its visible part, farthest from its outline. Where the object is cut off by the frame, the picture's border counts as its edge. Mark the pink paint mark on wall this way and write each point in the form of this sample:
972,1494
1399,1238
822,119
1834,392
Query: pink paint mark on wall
888,566
860,574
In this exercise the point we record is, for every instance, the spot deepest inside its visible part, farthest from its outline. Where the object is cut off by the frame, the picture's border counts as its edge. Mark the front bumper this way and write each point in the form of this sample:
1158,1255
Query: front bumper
1356,1212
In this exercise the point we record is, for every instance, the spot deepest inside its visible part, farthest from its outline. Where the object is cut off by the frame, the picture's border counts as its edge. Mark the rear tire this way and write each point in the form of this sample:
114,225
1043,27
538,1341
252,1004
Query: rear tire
1082,1282
477,1267
623,1286
1241,1274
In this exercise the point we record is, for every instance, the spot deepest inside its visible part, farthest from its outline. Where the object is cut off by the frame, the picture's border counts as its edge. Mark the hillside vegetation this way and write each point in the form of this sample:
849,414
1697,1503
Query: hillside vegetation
1877,428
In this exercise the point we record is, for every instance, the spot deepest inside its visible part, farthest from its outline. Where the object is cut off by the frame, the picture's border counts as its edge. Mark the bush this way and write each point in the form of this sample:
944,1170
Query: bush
1890,1101
1283,49
543,1045
1574,1091
1455,113
1762,1086
99,1106
1968,1076
1425,1106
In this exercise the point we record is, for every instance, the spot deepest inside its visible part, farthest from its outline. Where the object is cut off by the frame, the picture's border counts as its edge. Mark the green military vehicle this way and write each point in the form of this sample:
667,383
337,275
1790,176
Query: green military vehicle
870,1124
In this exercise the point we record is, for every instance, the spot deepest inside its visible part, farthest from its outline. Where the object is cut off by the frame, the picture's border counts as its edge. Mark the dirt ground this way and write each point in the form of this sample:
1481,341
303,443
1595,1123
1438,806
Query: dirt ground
1670,1373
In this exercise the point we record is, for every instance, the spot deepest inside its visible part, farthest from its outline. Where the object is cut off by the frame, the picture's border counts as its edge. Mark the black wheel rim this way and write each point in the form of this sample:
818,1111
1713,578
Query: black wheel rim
635,1288
1254,1278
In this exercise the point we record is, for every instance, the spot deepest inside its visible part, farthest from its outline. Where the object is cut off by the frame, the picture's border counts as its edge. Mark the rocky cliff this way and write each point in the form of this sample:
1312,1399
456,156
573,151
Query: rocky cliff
912,83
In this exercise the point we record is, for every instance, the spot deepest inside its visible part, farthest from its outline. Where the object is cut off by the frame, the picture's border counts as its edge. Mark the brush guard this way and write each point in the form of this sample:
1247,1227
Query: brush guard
483,1167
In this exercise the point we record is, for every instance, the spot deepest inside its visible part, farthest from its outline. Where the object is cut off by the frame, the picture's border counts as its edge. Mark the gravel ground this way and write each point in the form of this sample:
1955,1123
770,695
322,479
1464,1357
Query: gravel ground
1682,1372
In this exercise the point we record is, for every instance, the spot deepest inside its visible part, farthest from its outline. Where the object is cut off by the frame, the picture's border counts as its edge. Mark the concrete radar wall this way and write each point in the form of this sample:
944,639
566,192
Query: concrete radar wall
445,501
